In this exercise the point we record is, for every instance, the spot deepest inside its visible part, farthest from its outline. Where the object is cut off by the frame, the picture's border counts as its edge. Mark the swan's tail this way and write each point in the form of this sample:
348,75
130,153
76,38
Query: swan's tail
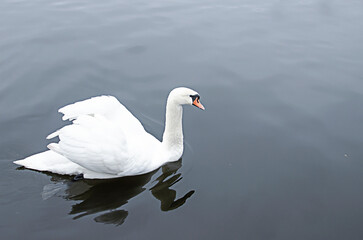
52,162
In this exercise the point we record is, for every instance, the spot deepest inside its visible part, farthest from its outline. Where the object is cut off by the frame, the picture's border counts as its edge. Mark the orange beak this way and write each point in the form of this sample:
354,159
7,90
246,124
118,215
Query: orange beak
198,104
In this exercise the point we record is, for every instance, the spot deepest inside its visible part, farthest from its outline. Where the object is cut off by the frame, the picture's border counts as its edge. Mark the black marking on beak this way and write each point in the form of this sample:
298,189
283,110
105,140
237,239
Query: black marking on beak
196,102
196,96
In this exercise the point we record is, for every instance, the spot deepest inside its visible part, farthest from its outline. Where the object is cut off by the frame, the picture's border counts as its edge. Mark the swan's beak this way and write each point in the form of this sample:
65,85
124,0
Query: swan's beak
198,104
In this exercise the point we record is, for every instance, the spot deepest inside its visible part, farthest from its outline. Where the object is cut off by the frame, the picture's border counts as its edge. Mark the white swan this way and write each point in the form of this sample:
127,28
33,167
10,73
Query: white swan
106,141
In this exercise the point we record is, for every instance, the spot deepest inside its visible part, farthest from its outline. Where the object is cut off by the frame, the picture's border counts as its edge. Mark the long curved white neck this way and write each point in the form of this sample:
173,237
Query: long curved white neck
173,133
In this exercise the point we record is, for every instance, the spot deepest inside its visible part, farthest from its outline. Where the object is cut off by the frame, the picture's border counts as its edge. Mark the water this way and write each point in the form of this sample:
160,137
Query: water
276,155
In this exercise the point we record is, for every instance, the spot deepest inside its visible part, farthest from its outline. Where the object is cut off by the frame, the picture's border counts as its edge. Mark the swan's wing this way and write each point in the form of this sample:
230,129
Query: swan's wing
106,106
102,105
94,142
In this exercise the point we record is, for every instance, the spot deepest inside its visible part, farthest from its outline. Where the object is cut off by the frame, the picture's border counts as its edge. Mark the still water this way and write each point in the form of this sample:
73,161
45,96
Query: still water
278,153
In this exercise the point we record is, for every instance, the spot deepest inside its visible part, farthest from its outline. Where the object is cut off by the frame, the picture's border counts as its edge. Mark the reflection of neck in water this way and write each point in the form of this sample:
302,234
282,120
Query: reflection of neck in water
162,192
107,196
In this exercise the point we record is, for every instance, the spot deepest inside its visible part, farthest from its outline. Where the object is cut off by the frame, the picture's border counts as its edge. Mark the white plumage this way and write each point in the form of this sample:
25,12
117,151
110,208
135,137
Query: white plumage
106,141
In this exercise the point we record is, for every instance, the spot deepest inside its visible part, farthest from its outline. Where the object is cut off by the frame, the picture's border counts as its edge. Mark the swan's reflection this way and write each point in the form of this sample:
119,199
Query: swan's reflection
108,196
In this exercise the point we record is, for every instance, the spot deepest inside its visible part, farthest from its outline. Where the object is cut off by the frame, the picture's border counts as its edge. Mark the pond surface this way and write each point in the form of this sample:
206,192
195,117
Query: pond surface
278,153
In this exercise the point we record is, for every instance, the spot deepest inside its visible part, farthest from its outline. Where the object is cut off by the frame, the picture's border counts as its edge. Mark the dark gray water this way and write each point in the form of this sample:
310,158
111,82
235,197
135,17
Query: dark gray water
278,153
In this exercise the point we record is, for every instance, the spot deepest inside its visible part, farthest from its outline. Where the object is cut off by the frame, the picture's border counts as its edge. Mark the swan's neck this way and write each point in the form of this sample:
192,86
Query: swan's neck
173,133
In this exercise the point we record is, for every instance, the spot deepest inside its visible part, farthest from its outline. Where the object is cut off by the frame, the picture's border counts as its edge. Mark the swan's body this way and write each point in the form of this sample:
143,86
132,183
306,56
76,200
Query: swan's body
106,141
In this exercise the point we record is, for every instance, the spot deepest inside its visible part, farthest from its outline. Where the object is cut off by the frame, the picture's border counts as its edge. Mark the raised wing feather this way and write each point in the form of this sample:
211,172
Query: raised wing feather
95,143
106,106
97,137
103,105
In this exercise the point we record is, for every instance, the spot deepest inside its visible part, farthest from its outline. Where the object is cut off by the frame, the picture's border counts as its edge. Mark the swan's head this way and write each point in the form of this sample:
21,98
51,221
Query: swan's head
185,96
